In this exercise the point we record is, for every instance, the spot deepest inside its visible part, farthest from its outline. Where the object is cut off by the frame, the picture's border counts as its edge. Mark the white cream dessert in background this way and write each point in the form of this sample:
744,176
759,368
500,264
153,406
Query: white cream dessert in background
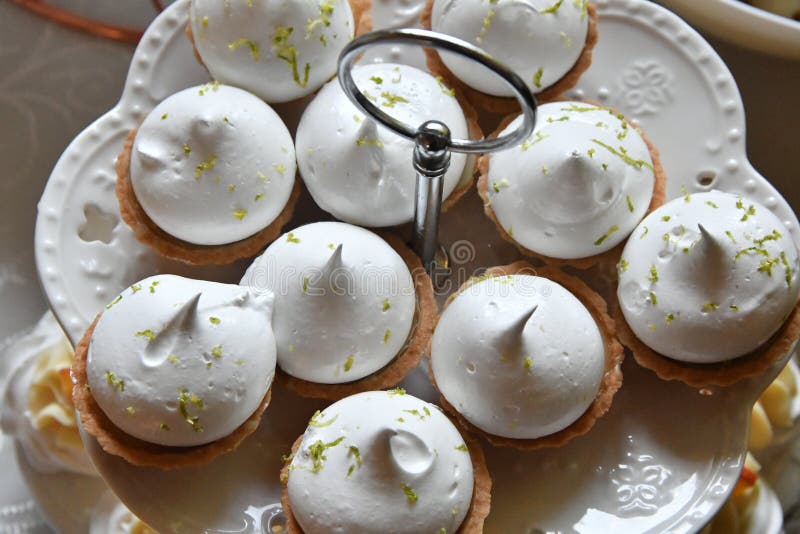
212,165
279,50
180,362
518,356
708,277
344,301
541,40
380,461
775,410
359,171
576,188
37,407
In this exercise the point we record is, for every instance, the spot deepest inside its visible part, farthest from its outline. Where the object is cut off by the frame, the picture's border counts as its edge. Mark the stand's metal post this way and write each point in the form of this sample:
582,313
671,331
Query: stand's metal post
431,160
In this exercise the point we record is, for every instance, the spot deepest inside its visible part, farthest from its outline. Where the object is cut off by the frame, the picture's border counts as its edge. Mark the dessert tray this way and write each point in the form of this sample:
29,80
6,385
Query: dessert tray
665,457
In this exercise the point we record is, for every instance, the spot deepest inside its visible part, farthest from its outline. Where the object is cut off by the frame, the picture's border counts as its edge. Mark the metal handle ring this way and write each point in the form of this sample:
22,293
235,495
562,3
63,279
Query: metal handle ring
430,39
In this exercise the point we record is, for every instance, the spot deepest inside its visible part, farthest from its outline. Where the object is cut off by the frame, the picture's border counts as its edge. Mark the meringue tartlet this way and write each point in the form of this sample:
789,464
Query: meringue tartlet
209,176
384,461
573,191
353,310
278,50
358,170
175,372
708,290
548,43
526,357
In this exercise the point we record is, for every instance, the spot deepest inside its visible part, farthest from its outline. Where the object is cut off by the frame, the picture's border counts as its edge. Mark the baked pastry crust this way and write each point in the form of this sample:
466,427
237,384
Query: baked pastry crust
610,257
503,105
478,508
711,374
612,374
403,362
147,232
136,451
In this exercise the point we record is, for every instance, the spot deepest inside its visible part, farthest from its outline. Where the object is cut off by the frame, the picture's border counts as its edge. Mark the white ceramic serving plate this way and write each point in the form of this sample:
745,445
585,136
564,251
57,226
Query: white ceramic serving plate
742,24
663,460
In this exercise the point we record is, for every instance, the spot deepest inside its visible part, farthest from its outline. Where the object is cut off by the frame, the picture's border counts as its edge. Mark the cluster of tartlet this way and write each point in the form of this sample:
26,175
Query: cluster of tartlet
174,372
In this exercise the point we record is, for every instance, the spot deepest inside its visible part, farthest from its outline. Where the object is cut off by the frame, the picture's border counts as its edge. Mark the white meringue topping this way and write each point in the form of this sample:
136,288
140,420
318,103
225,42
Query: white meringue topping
279,50
182,362
708,277
344,301
212,165
518,356
539,39
577,187
381,461
359,171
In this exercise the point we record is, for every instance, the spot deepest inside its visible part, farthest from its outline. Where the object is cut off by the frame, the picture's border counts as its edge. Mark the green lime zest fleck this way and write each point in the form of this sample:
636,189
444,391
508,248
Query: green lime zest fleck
210,86
231,188
331,246
291,348
623,265
258,197
187,149
605,166
153,286
386,336
214,320
566,39
591,152
317,453
444,88
537,78
325,11
353,450
668,318
377,79
748,211
666,218
385,306
787,270
767,264
109,305
410,494
730,236
426,410
544,169
279,167
391,99
530,142
462,448
173,359
365,141
348,363
563,118
164,426
396,391
193,421
710,307
644,233
630,203
553,8
400,420
709,203
290,238
774,236
204,166
636,163
239,362
164,116
734,307
149,334
528,363
487,23
653,276
599,240
131,410
240,213
136,288
315,420
305,285
216,352
580,109
415,413
115,382
288,53
653,299
350,471
254,51
496,186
